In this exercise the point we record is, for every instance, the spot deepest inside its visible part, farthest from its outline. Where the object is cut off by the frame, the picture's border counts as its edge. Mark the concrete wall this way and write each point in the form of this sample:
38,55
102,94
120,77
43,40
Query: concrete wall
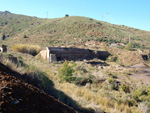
3,48
47,53
53,58
71,53
43,54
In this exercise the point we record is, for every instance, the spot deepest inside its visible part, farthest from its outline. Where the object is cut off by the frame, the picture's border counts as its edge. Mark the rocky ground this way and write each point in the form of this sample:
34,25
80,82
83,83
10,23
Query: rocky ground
16,96
142,74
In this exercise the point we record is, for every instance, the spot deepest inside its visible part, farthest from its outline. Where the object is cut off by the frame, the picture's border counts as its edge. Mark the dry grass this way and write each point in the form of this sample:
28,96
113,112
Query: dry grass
24,48
4,59
65,31
126,58
85,97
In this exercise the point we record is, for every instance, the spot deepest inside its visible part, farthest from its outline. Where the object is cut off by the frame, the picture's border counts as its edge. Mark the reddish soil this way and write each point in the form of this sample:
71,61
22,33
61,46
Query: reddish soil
16,96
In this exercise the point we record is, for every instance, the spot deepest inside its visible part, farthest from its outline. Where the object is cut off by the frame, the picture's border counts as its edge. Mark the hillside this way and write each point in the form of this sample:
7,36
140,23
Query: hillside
98,86
66,31
120,83
16,96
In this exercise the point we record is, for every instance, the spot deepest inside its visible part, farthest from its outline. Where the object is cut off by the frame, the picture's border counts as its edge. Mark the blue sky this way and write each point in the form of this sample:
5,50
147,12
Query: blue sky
133,13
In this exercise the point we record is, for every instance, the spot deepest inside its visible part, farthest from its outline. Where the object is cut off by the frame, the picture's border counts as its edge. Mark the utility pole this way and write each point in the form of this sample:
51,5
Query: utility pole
47,14
129,39
107,16
102,17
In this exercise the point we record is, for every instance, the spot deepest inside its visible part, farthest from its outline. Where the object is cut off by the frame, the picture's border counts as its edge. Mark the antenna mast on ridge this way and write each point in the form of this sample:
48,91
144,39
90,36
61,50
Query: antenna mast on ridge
107,16
129,39
47,14
102,17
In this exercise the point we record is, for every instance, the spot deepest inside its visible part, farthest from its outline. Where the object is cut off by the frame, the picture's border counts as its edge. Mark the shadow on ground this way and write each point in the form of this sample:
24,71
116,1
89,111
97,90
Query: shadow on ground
95,63
40,81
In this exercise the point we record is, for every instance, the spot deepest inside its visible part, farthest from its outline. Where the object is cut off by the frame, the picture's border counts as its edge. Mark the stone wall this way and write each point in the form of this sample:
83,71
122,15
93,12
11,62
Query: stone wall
4,48
103,55
76,53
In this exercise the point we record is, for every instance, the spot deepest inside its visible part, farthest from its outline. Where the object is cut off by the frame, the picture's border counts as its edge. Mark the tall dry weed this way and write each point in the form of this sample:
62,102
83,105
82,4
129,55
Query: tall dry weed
29,49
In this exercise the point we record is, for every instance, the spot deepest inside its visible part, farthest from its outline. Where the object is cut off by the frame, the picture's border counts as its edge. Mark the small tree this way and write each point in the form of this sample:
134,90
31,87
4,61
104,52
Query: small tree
65,73
3,37
66,15
125,88
25,36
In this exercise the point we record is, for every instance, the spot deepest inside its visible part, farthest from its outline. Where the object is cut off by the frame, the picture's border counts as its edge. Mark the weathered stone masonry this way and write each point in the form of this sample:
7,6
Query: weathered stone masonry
54,54
3,49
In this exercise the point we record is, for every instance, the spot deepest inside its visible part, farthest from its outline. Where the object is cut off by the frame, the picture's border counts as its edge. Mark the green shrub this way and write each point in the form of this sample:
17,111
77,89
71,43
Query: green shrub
73,64
110,80
66,15
81,68
110,41
148,90
99,23
140,91
65,73
112,58
3,37
81,80
125,88
102,39
136,45
121,47
128,46
25,36
114,86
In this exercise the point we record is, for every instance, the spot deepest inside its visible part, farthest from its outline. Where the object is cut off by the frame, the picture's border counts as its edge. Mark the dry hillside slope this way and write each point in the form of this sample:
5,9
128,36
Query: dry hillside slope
17,96
66,31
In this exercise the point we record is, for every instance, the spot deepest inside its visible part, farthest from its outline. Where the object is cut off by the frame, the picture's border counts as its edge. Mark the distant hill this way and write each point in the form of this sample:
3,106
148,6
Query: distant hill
66,31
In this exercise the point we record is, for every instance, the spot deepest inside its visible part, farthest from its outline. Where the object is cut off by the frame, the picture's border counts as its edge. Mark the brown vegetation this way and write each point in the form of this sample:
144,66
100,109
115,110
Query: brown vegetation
29,49
126,58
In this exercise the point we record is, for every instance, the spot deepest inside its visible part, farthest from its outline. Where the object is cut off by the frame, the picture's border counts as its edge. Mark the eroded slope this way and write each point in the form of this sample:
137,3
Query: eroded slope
17,96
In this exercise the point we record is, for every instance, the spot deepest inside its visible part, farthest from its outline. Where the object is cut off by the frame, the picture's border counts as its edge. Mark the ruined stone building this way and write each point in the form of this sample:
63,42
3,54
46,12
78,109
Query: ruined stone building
3,49
54,54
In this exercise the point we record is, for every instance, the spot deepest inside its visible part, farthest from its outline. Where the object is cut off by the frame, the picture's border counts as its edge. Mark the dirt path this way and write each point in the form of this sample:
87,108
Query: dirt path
145,78
143,74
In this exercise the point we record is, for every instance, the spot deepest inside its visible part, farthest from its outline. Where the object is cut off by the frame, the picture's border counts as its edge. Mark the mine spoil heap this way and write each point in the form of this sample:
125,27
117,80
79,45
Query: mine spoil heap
16,96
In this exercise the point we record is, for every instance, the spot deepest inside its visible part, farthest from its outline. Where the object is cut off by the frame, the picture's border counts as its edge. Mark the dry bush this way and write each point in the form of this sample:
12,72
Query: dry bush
144,107
24,48
126,58
97,99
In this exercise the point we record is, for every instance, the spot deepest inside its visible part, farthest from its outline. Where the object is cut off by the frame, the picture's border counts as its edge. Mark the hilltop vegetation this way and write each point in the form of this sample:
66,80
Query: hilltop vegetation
66,31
